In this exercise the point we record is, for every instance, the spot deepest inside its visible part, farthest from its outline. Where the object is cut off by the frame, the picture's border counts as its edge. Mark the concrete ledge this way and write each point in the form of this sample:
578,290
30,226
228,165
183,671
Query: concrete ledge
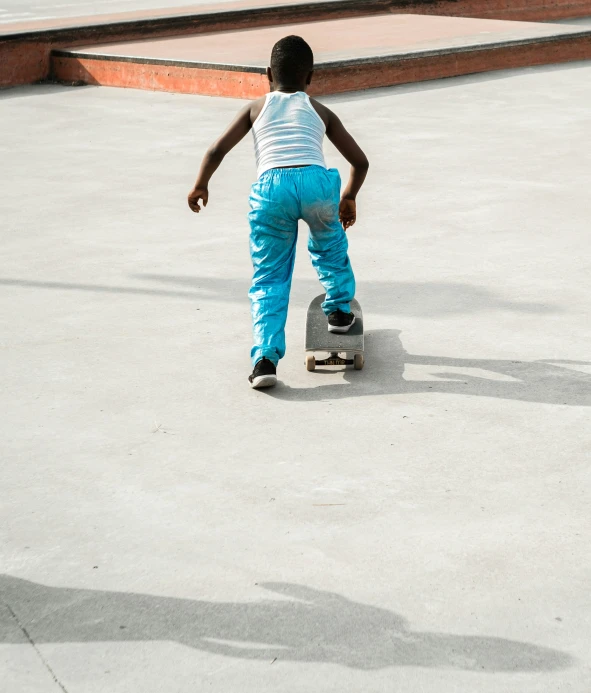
169,20
16,69
351,54
23,62
182,78
330,78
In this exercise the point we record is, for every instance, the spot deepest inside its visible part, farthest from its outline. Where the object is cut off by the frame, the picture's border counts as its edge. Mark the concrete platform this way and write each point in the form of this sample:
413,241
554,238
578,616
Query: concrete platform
165,529
25,47
31,16
351,54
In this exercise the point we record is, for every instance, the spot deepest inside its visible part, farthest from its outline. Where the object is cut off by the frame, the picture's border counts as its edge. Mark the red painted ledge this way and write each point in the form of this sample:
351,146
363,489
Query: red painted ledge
350,75
24,57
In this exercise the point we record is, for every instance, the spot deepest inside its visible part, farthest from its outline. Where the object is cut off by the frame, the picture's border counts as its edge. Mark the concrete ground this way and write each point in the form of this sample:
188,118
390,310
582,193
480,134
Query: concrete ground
24,10
420,526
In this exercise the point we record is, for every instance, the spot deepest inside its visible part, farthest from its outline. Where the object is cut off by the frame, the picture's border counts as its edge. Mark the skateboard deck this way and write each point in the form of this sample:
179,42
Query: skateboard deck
343,349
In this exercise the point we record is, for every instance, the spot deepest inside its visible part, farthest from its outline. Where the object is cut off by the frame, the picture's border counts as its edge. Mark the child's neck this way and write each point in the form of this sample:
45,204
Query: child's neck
289,89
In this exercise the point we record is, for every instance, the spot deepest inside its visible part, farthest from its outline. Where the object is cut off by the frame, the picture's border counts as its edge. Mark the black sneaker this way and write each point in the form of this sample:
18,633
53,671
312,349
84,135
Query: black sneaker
339,321
264,374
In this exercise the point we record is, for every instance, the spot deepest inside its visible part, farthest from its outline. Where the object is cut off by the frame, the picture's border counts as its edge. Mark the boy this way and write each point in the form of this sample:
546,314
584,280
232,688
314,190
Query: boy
293,183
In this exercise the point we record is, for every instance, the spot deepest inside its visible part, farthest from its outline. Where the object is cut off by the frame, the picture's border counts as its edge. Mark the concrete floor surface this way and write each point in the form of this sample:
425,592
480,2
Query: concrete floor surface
422,525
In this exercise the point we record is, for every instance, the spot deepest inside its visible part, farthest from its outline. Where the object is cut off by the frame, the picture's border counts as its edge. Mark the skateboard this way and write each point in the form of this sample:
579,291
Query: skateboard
344,349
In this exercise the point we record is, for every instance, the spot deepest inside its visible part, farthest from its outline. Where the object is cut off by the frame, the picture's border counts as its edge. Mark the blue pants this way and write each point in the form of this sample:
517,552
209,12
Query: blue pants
278,199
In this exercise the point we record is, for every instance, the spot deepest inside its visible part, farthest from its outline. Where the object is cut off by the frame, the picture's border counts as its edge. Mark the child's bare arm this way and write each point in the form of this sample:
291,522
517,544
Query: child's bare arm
214,156
344,142
347,146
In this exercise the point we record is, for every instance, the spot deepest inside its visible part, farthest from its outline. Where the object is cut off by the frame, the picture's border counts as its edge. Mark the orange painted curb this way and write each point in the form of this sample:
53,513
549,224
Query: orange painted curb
158,77
417,69
24,57
23,63
350,76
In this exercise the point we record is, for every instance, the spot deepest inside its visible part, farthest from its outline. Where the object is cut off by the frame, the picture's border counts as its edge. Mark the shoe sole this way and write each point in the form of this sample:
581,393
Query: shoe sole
264,381
341,330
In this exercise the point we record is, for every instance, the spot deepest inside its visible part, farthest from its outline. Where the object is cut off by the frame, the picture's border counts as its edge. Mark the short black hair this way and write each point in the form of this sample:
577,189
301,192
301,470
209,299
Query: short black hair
292,60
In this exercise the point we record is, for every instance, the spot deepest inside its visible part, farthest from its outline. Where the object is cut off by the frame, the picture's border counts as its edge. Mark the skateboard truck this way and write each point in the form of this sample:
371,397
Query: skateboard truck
334,360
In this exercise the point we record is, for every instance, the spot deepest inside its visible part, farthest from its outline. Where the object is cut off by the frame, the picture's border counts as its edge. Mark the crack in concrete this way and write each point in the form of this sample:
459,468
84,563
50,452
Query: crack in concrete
37,650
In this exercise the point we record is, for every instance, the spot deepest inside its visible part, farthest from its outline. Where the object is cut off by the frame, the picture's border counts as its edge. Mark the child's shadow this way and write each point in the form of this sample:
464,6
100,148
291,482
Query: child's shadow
304,625
391,370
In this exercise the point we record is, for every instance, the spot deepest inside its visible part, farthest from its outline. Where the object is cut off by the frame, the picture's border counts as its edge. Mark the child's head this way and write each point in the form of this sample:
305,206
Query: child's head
292,63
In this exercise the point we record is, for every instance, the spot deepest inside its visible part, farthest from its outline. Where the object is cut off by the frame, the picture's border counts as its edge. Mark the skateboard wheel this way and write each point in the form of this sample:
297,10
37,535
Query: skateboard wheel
310,362
358,362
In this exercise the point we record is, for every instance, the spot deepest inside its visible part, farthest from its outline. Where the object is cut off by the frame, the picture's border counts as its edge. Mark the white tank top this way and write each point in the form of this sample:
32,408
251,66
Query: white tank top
288,132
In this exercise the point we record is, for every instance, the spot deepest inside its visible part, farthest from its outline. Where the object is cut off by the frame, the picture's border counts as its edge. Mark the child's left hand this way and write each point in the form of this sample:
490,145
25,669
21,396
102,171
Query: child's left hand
195,195
347,212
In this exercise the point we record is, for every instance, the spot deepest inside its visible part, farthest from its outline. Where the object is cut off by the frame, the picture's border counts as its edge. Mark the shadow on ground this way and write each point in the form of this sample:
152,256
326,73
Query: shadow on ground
551,381
421,299
305,625
39,89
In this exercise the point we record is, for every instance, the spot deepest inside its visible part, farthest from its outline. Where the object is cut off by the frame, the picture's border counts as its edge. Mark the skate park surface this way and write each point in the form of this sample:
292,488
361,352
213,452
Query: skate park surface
421,525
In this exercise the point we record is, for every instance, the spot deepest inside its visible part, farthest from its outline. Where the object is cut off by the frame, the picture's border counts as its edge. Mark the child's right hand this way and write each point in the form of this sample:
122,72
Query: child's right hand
347,212
195,195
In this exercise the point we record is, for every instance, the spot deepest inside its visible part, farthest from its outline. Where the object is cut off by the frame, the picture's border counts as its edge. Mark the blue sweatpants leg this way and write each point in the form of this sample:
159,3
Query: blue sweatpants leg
273,234
327,243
